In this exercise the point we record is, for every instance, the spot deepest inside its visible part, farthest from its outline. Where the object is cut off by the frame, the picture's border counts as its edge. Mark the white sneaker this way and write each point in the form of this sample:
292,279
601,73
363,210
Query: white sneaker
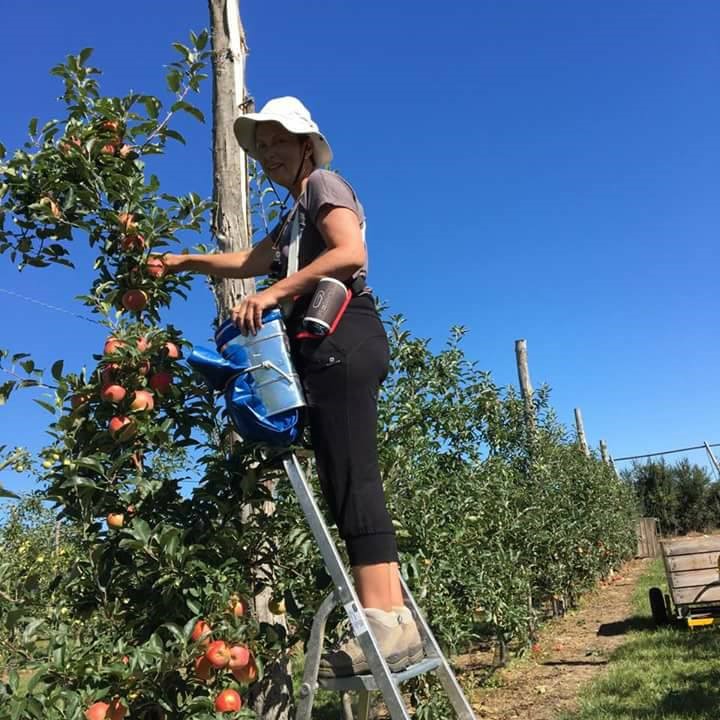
349,659
410,634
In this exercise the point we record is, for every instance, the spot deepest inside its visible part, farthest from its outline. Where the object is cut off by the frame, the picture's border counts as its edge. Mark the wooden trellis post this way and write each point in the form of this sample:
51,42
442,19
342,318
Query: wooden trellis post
581,432
525,384
231,226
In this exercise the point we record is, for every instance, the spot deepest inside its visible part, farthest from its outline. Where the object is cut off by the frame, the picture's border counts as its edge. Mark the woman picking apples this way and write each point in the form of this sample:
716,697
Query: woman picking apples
341,372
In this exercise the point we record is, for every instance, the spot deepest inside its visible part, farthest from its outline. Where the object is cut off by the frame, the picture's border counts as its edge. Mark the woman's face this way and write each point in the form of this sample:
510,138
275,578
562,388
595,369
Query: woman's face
280,152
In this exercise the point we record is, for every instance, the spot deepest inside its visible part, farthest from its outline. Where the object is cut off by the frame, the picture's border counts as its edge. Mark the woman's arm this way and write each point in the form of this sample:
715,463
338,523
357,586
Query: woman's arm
345,254
241,264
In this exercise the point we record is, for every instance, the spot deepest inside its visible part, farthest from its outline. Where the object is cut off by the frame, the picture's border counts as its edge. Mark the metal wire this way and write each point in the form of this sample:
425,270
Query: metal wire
51,307
666,452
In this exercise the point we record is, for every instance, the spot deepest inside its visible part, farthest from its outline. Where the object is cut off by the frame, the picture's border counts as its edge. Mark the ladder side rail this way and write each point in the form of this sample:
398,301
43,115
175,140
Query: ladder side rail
344,590
444,671
309,686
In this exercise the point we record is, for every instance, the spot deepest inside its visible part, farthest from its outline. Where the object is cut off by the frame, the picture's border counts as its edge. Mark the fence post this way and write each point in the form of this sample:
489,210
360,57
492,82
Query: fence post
604,452
525,385
581,432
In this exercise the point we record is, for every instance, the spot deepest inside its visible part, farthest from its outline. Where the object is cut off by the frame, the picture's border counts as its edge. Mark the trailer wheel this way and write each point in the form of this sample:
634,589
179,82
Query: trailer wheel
657,606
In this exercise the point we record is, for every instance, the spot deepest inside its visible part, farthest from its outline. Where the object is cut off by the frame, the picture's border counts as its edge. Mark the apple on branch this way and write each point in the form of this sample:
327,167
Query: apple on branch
113,393
160,382
134,300
228,701
142,401
122,428
218,654
115,520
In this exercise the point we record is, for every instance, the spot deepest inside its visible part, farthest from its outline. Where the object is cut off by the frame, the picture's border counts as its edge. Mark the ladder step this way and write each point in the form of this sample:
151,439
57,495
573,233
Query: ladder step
367,682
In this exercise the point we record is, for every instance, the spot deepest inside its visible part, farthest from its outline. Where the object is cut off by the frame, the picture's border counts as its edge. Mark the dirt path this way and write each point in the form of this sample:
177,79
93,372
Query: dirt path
572,651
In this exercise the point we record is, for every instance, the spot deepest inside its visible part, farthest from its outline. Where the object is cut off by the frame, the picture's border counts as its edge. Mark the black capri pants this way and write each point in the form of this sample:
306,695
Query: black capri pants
341,376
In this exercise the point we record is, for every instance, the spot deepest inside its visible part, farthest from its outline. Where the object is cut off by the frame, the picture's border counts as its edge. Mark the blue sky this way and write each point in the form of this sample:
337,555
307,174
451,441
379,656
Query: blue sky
530,169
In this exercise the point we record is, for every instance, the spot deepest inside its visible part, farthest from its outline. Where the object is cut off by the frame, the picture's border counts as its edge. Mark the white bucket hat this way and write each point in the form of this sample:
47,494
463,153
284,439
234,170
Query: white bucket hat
293,116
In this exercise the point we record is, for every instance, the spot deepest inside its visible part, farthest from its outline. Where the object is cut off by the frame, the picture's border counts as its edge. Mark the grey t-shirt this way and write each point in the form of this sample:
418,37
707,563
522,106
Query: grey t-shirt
323,188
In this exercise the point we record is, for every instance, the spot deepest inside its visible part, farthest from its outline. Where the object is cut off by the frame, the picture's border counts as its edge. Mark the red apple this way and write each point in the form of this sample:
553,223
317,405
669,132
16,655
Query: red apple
201,632
67,146
144,367
155,267
107,374
110,125
115,520
142,400
238,605
172,350
160,382
111,345
125,150
228,701
218,654
113,393
97,711
108,149
134,300
131,243
142,344
122,428
239,657
247,674
203,668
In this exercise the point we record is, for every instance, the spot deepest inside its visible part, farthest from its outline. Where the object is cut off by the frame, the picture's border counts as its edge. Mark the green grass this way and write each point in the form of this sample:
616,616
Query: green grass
669,673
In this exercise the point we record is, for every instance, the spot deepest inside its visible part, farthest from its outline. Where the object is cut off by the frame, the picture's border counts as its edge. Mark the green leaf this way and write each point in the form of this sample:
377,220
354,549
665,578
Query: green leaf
5,391
29,634
185,52
47,406
85,53
7,494
141,530
173,79
174,134
56,369
176,631
201,40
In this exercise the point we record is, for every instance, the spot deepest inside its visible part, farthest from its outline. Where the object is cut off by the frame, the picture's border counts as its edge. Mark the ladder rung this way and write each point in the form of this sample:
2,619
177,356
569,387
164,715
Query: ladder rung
367,682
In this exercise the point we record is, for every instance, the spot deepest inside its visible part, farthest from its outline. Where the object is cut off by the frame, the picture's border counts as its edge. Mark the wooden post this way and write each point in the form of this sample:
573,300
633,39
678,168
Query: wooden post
648,544
604,452
231,221
231,226
581,432
525,385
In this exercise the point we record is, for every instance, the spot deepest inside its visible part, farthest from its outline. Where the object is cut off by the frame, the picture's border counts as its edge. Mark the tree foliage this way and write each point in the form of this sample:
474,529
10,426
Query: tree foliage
491,519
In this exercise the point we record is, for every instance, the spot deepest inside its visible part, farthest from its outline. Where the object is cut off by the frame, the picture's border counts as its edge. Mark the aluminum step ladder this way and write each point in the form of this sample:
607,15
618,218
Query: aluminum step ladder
381,679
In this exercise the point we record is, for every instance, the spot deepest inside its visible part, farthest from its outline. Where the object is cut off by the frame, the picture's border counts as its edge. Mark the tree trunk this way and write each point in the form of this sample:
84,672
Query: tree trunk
231,226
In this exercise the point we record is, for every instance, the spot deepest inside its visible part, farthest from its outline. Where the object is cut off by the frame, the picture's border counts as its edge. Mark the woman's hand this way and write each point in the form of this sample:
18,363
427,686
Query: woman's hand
248,314
170,263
